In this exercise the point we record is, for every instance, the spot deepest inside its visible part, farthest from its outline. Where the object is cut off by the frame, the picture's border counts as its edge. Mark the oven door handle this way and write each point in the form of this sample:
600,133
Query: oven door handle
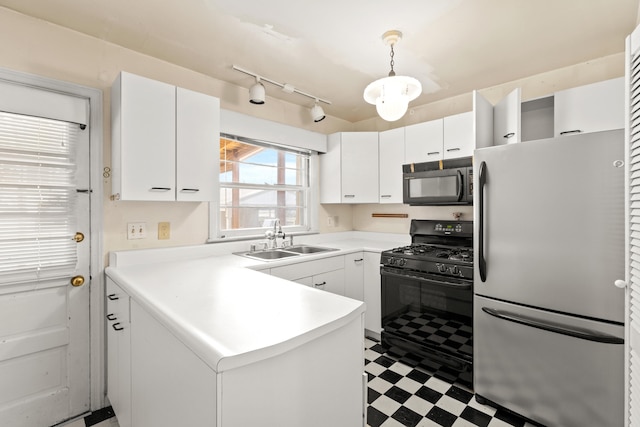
482,182
463,286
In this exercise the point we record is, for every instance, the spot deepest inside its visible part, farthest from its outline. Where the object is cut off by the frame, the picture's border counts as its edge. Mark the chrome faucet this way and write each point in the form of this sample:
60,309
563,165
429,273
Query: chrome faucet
272,235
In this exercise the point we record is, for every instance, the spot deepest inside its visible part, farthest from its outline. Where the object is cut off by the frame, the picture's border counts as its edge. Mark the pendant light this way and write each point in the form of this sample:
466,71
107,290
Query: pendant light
257,93
391,95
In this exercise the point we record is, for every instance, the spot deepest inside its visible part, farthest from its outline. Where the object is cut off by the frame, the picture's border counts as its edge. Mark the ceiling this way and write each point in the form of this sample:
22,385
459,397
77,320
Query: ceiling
333,48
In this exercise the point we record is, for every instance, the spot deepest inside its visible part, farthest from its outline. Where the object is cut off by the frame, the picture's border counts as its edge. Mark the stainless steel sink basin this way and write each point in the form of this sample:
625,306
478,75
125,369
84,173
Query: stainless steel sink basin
306,249
269,254
291,251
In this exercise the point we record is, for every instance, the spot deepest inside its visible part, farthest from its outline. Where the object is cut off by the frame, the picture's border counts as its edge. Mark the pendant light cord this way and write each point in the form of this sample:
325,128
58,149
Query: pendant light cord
392,73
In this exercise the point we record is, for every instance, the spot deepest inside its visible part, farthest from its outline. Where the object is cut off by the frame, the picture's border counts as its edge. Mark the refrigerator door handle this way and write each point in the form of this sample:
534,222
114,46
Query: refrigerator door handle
482,181
580,333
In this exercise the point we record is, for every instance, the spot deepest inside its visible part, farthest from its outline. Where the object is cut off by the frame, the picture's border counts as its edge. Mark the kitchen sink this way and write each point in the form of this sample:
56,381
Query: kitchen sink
279,253
269,254
305,249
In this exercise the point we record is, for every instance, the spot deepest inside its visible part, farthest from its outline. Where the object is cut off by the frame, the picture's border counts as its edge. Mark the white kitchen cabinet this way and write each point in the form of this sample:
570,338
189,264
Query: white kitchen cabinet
118,352
589,108
354,276
326,274
164,141
372,297
391,154
506,119
459,139
349,169
424,141
197,146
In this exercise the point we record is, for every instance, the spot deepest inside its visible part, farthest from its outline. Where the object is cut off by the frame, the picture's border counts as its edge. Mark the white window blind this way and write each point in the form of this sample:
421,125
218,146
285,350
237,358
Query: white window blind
37,198
633,230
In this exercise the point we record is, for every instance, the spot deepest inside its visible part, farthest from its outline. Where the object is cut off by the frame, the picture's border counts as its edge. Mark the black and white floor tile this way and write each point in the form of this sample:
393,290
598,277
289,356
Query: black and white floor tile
401,395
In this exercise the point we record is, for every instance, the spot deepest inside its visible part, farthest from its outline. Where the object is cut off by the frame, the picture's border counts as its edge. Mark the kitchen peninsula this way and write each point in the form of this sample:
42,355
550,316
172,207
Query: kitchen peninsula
209,341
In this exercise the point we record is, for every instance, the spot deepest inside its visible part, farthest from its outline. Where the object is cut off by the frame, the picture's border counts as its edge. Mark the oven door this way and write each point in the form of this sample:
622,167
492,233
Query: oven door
437,187
432,312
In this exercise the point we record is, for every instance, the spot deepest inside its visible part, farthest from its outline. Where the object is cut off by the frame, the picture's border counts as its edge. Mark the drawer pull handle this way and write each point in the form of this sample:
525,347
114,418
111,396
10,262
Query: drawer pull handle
117,326
567,132
432,153
317,285
113,297
189,190
111,316
385,196
349,196
358,260
453,149
160,188
509,135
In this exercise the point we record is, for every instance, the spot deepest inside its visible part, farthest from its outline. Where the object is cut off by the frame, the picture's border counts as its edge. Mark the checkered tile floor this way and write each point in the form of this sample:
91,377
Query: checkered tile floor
400,395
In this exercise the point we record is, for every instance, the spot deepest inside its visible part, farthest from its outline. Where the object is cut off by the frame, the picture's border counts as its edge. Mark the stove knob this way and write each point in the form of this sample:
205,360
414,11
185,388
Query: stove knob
455,269
441,268
392,261
402,262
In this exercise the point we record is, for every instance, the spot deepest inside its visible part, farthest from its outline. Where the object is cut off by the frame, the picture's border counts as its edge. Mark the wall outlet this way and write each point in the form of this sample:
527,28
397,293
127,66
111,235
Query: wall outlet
164,230
332,221
136,230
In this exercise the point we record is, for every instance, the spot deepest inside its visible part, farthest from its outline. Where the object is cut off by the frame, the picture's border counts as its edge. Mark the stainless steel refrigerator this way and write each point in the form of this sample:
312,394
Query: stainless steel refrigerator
548,246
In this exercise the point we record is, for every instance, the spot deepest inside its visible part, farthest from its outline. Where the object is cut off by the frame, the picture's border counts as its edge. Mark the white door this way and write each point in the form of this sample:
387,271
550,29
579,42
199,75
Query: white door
44,206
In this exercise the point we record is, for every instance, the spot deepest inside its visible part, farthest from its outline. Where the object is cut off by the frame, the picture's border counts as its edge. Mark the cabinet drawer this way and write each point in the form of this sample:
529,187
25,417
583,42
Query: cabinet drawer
309,268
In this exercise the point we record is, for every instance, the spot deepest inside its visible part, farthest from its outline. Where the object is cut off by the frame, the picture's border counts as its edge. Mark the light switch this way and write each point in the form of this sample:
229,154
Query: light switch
136,230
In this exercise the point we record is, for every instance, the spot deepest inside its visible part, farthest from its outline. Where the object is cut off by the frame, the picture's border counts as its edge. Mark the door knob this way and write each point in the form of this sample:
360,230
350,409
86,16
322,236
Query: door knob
77,281
620,284
79,237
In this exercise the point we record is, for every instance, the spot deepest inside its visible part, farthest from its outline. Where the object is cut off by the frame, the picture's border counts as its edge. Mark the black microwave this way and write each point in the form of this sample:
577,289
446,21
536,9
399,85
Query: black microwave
442,182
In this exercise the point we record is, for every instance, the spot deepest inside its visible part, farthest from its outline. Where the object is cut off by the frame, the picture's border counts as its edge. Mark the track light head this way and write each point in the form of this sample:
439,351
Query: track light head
257,93
317,113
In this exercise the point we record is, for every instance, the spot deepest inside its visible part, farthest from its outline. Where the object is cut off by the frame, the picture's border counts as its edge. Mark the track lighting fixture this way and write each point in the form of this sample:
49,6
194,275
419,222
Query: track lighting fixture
391,95
317,113
257,93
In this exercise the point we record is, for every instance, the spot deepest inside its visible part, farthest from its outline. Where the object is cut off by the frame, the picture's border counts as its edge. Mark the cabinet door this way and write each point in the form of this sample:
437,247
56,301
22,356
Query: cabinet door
459,140
119,352
373,319
330,175
506,119
423,142
359,167
143,138
391,153
331,281
590,108
482,121
197,146
354,276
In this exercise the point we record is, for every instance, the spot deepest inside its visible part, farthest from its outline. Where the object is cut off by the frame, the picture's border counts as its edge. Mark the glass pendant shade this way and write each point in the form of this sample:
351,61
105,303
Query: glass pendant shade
391,95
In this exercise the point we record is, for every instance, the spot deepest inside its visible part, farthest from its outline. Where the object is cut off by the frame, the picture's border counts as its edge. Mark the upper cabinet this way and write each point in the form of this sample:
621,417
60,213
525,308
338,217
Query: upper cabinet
165,141
459,140
424,141
349,169
590,108
391,153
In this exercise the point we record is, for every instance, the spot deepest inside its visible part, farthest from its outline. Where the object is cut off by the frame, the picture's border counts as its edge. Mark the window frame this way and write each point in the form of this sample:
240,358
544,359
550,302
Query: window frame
216,234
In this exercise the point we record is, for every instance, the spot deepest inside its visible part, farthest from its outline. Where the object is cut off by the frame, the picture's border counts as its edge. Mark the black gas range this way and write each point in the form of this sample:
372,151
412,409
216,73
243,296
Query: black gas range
427,298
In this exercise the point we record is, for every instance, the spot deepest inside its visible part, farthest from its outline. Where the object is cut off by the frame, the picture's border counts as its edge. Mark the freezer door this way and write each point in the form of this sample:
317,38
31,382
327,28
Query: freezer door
549,228
552,377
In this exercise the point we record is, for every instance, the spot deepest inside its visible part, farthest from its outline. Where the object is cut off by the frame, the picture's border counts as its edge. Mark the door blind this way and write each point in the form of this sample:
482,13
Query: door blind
633,231
38,196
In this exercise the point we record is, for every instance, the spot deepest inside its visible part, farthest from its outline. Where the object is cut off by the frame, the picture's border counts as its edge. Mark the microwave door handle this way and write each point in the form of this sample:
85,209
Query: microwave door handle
482,181
460,185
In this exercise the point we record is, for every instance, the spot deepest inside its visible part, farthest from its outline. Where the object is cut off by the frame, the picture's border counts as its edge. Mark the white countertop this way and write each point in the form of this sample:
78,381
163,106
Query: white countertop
230,315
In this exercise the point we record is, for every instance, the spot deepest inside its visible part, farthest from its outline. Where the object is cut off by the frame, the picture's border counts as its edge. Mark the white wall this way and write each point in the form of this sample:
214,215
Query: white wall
37,47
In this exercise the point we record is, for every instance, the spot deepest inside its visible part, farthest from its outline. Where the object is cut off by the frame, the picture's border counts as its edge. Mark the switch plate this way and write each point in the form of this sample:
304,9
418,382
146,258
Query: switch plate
136,230
164,230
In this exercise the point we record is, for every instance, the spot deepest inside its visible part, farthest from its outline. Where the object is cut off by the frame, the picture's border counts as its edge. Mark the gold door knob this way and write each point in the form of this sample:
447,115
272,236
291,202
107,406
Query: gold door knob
77,281
79,237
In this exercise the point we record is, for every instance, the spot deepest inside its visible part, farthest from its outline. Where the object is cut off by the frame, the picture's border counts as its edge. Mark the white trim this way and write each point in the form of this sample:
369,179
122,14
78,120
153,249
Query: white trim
97,339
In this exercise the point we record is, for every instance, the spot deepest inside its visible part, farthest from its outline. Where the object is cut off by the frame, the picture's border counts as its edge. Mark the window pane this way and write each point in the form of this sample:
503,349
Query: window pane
260,182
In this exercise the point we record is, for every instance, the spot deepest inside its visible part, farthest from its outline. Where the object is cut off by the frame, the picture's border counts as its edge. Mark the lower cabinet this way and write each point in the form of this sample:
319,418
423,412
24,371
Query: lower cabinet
326,274
373,321
119,352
